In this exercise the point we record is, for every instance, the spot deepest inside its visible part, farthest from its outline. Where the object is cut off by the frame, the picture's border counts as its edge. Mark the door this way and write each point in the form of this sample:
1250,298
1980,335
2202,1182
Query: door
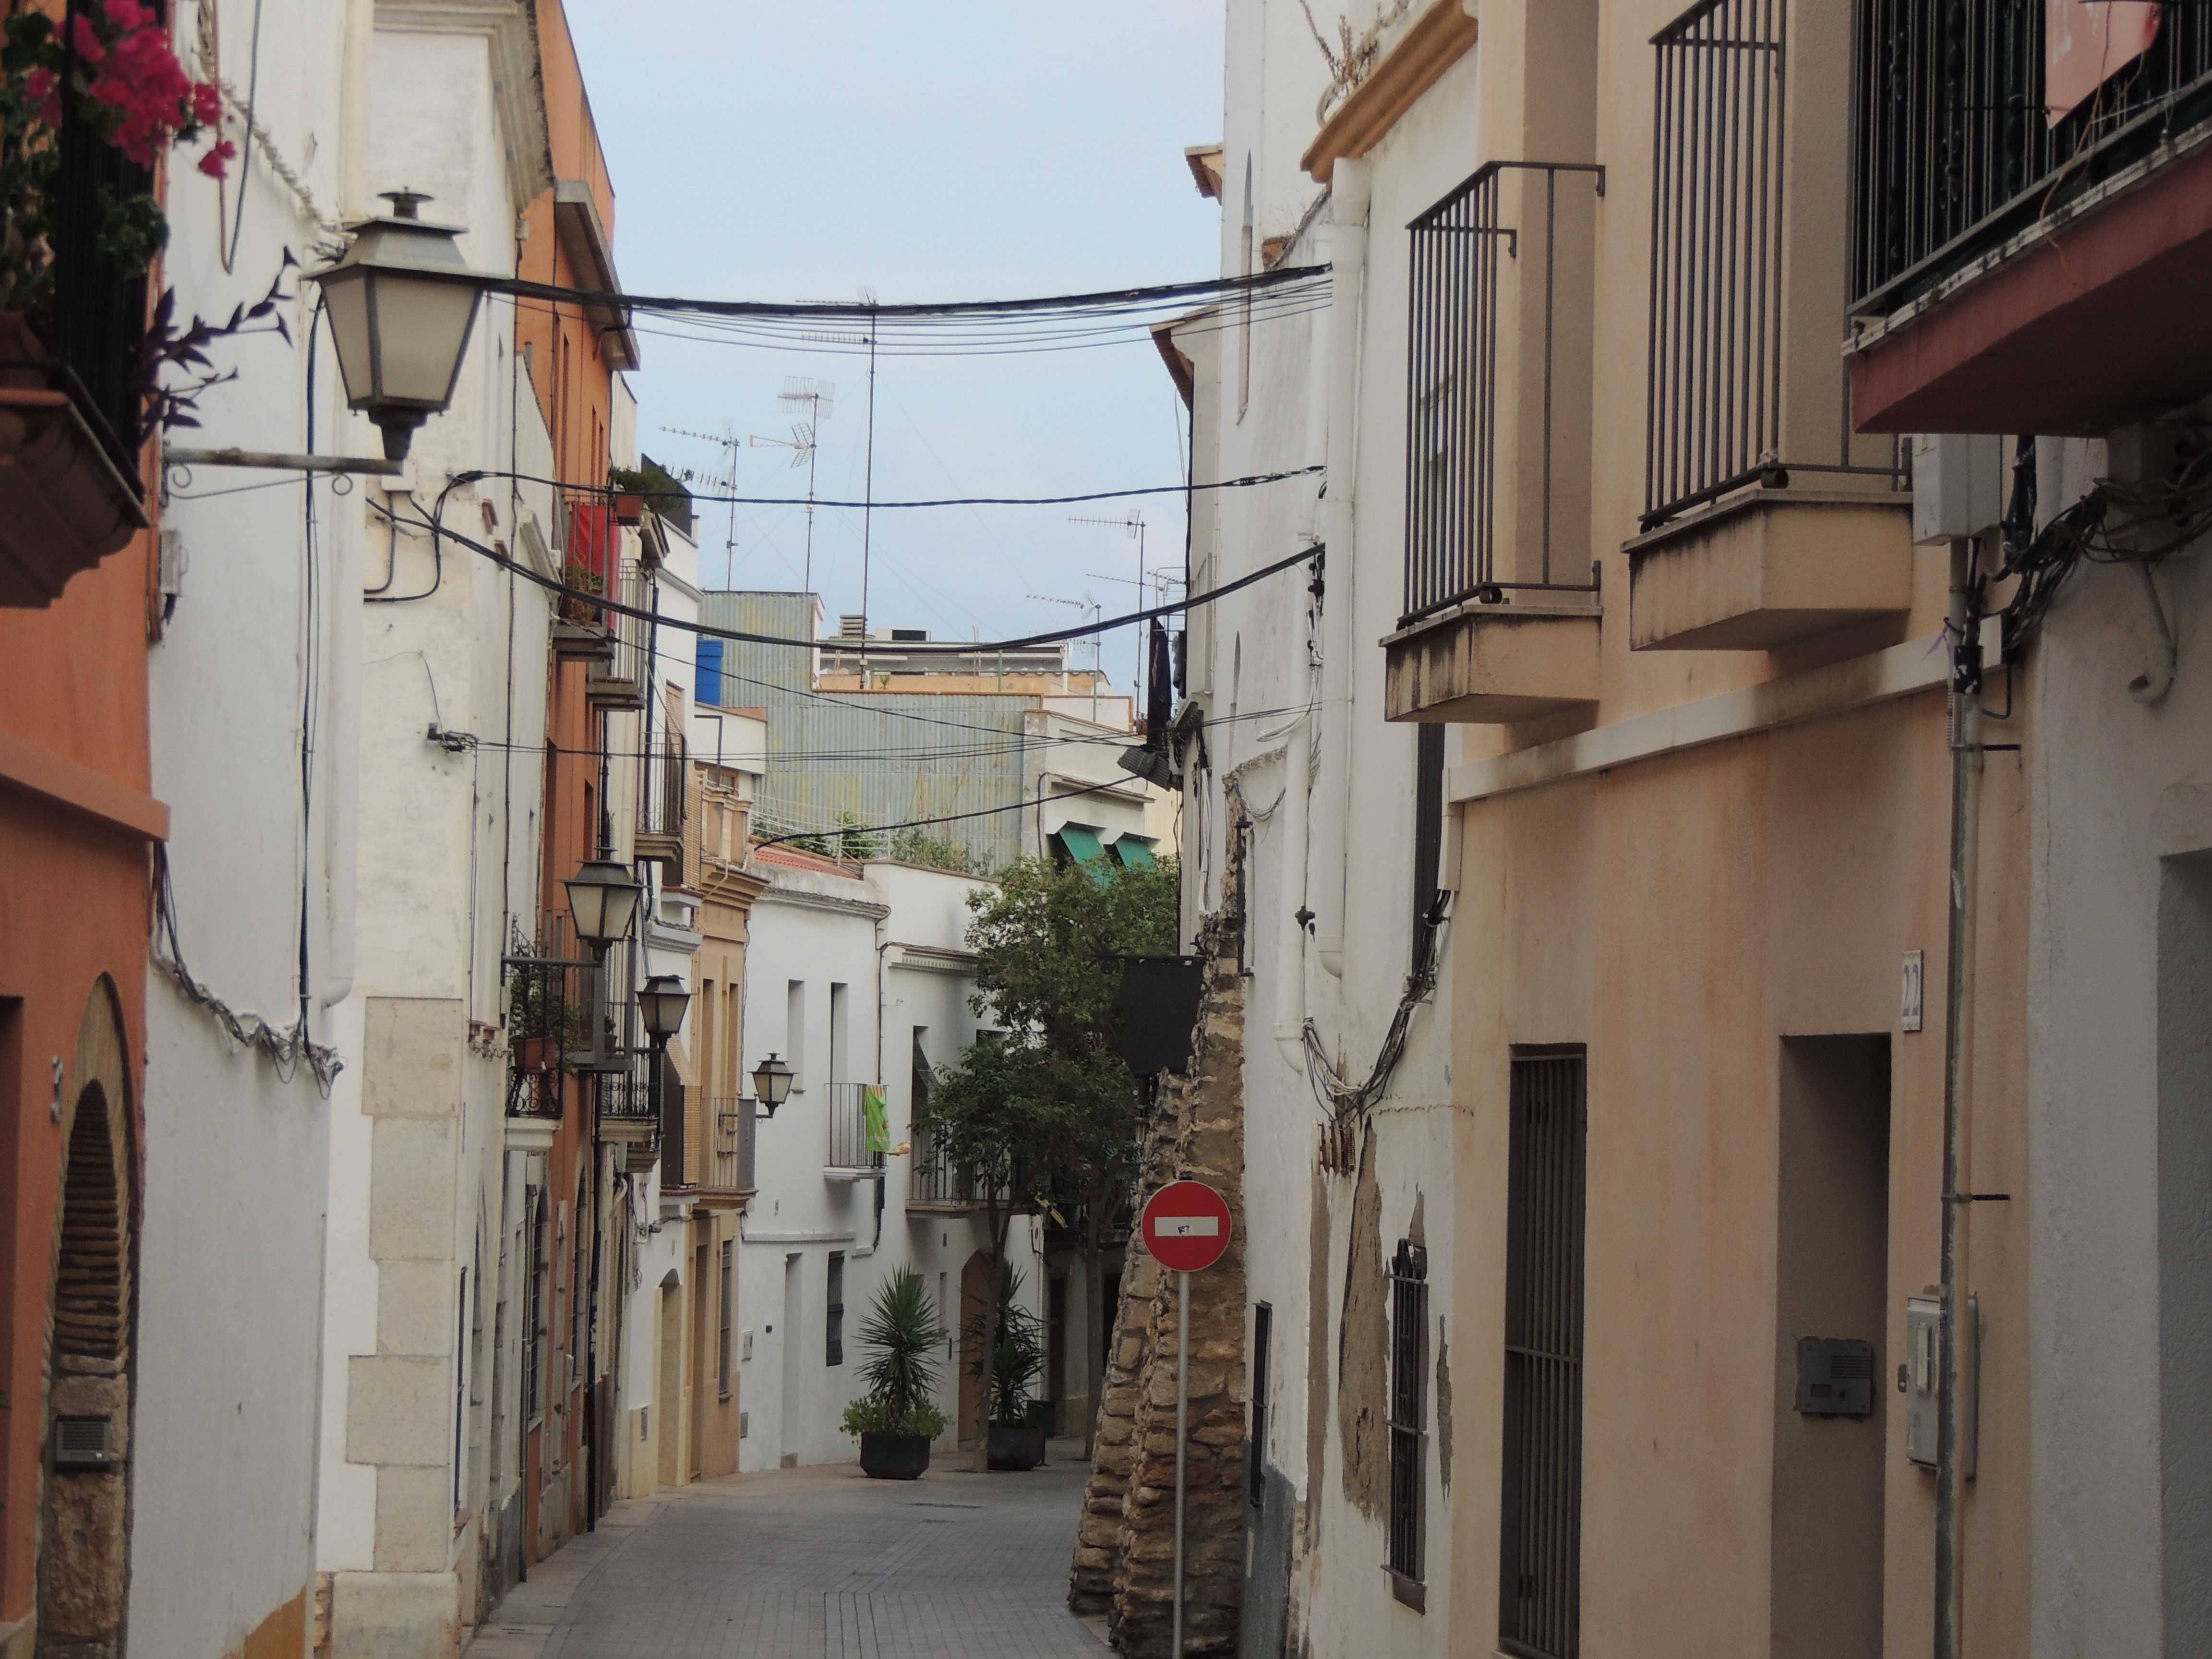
794,1357
703,1347
670,1406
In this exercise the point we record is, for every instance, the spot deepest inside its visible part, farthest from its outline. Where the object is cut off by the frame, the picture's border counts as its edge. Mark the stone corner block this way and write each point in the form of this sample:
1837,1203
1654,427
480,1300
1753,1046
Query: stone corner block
395,1615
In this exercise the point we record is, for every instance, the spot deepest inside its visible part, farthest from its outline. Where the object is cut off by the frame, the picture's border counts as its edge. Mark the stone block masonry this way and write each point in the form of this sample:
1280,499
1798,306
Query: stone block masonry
1124,1544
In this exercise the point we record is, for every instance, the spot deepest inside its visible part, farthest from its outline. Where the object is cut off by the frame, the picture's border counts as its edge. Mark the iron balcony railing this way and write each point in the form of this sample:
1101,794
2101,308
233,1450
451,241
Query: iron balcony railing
937,1182
848,1128
728,1123
619,679
551,996
663,778
1463,251
1715,390
1955,149
626,1096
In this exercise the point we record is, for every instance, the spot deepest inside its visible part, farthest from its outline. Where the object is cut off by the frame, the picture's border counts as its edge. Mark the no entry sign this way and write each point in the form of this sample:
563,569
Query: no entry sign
1187,1225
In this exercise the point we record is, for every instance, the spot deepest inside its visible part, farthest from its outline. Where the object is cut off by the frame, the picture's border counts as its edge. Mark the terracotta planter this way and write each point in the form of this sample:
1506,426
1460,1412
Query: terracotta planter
629,508
894,1457
65,503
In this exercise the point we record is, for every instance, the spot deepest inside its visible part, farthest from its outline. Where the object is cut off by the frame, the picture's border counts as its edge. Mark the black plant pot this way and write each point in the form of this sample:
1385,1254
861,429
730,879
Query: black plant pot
894,1457
1016,1445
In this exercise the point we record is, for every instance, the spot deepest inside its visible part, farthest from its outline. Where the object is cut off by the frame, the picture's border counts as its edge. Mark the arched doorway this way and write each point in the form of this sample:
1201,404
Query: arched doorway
84,1530
975,1285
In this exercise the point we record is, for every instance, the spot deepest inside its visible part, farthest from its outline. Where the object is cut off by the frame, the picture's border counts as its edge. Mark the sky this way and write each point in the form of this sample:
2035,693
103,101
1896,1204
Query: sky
980,149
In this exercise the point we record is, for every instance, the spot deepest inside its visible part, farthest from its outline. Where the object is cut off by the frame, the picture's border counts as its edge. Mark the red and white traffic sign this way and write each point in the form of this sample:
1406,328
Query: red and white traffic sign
1186,1226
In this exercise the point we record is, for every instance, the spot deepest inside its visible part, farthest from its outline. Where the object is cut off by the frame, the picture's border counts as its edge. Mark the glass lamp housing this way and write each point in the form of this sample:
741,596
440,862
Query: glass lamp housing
602,899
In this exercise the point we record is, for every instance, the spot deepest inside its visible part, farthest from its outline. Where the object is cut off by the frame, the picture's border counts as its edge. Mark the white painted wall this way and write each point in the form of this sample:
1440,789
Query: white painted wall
1257,663
2120,786
822,928
229,1288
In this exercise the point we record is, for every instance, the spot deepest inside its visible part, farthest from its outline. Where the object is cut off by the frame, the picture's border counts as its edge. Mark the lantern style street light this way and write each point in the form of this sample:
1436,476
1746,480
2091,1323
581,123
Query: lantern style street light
602,899
772,1082
401,305
663,1001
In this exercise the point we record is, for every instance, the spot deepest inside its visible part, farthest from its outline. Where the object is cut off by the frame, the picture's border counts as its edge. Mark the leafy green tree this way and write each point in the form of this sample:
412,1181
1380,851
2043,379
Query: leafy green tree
1045,1110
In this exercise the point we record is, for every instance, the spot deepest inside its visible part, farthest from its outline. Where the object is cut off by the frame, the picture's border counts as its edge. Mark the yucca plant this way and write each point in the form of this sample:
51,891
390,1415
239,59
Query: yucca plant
901,1333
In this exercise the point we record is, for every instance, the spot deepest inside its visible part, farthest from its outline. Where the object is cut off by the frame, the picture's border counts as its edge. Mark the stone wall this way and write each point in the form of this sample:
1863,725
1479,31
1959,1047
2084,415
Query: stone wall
1124,1552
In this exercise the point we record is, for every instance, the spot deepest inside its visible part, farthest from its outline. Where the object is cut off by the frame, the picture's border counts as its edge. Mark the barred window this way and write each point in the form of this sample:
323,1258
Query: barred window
1409,1402
834,1332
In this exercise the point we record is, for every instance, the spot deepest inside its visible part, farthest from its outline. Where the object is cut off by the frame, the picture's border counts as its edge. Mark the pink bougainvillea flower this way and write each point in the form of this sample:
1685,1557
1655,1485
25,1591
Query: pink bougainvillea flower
42,87
217,162
206,104
88,48
127,14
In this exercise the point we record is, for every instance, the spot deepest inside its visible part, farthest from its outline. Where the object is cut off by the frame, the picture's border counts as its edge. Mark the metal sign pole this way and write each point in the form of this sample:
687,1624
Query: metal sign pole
1183,1438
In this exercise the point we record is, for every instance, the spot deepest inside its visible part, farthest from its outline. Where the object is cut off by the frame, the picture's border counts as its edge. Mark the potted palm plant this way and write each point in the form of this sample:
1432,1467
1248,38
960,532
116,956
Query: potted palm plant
1018,1428
898,1417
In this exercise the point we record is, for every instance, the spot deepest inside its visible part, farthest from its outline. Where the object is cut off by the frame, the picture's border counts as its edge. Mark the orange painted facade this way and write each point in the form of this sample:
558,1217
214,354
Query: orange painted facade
573,376
76,826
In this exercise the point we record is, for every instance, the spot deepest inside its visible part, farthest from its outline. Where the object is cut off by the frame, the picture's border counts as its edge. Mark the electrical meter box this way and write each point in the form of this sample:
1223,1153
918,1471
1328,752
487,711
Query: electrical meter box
1920,1379
1835,1377
1958,485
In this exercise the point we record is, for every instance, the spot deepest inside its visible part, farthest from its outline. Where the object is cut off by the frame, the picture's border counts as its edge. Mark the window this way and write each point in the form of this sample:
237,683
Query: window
840,1001
1540,1591
795,1032
728,1308
834,1315
533,1305
1428,844
1409,1404
1255,1472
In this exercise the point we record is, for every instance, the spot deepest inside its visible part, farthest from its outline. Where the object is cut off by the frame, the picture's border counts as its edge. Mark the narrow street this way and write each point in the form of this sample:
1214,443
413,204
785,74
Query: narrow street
819,1562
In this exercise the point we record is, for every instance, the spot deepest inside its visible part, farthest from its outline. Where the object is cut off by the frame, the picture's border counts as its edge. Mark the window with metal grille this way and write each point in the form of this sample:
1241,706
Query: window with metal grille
1540,1593
1715,397
1428,842
534,1307
1409,1365
727,1313
1263,1331
834,1331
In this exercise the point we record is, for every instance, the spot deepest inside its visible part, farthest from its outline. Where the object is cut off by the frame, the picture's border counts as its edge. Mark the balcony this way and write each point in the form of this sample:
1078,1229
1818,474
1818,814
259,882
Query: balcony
2020,202
1500,621
709,1149
935,1187
70,417
849,1158
550,994
628,1116
664,781
616,680
1766,567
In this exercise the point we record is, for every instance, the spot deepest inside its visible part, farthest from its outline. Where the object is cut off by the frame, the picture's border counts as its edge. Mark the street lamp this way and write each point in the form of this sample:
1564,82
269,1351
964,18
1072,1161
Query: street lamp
602,899
663,1001
401,303
772,1082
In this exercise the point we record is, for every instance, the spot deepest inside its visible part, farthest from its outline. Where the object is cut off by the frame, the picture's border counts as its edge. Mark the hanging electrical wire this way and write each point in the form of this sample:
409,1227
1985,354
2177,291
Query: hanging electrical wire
608,491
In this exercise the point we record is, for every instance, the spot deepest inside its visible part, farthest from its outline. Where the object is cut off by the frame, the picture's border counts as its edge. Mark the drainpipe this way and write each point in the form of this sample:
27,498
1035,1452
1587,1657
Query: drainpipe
1290,934
1966,709
1348,202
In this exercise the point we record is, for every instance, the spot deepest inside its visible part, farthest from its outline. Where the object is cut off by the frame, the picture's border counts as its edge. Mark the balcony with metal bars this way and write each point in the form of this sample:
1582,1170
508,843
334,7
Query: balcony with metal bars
936,1186
551,994
616,680
709,1149
849,1155
664,782
71,401
1766,520
1501,617
2030,211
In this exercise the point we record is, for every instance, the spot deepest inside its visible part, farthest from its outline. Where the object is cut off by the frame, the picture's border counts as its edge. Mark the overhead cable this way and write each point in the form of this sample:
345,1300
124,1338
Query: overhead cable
1245,482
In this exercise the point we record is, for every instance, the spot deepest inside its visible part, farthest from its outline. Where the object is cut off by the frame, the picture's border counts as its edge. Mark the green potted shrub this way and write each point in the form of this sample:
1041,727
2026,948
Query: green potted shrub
1017,1429
898,1417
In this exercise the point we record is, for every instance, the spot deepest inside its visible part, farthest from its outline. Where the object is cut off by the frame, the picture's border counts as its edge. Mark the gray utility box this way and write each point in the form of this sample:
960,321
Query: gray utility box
1835,1377
1958,486
1920,1379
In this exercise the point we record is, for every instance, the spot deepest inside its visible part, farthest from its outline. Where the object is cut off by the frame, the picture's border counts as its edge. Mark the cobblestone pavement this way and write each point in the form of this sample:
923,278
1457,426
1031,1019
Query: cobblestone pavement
824,1564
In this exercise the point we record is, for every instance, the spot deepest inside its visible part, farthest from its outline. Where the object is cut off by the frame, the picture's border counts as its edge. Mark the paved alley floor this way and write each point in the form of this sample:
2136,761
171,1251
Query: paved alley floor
825,1563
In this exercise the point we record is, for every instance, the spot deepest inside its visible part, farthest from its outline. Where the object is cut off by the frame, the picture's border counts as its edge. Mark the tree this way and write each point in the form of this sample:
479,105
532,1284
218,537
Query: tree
1046,1108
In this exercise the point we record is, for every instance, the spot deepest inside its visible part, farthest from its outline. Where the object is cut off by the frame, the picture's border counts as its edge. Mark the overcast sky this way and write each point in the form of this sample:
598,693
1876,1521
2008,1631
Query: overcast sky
985,148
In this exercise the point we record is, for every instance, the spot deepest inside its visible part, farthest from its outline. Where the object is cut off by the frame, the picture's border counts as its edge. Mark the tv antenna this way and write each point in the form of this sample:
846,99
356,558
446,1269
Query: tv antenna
1133,523
818,398
1086,603
727,442
868,463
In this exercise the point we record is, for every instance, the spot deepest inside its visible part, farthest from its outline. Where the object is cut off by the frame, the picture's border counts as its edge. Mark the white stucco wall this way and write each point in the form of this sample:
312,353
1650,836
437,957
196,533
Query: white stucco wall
2120,785
229,1286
